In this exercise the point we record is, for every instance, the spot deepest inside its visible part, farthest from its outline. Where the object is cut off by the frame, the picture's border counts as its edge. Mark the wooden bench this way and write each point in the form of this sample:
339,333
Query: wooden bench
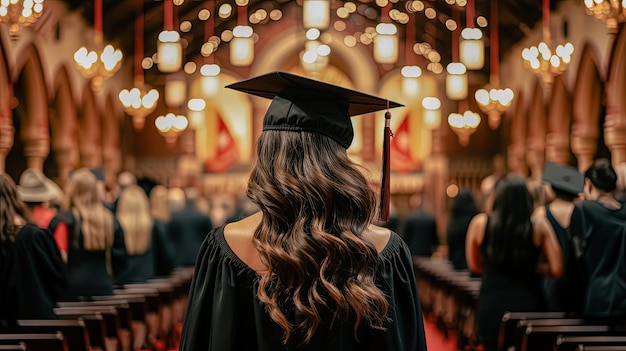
16,347
96,327
507,335
36,342
575,343
74,331
545,337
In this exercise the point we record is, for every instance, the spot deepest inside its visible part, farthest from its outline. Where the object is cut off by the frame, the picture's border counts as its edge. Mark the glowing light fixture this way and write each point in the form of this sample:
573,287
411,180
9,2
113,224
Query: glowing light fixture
456,81
493,102
544,61
20,13
97,62
612,12
410,80
464,125
242,44
169,46
432,112
139,101
210,81
386,43
175,90
316,14
472,48
171,126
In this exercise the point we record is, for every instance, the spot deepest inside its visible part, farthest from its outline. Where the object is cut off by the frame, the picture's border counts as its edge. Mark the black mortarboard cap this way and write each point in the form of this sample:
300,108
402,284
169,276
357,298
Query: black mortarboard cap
304,104
564,178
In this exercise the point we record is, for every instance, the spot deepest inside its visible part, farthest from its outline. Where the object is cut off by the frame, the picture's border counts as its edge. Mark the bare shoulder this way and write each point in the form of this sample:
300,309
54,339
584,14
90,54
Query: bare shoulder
238,236
377,236
476,229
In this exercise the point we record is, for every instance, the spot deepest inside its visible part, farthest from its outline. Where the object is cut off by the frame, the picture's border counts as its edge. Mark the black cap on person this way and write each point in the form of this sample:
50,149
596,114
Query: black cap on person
564,178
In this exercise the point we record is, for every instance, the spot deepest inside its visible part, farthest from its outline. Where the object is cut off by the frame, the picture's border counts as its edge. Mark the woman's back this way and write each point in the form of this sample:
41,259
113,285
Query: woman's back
226,314
32,276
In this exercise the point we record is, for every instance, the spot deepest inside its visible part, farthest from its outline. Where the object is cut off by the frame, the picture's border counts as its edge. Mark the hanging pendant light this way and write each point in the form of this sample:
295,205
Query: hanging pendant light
139,101
169,46
98,62
316,14
210,81
471,46
242,44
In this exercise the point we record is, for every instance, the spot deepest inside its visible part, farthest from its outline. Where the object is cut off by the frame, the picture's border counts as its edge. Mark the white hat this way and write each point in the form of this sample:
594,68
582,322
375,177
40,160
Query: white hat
35,187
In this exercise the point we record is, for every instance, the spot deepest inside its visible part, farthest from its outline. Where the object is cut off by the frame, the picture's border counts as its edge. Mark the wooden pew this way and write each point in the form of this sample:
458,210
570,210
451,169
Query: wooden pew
545,337
16,347
96,327
139,306
509,324
75,331
575,343
36,342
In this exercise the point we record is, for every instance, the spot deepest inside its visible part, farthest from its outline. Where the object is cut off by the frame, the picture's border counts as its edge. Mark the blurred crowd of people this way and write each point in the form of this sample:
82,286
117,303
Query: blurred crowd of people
73,243
557,244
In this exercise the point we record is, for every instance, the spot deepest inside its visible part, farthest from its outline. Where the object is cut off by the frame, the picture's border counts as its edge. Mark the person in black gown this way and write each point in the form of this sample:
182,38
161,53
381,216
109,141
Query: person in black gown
463,210
149,253
186,230
309,271
420,231
91,238
505,247
32,274
566,184
598,228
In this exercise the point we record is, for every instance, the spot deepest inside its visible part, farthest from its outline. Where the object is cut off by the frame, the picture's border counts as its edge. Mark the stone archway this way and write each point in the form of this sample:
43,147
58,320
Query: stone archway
586,108
559,123
615,122
536,131
6,95
30,115
111,158
89,130
63,126
517,137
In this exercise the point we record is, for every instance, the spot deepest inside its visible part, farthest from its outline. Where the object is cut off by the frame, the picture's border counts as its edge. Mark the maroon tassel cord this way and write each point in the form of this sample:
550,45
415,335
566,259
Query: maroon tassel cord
383,212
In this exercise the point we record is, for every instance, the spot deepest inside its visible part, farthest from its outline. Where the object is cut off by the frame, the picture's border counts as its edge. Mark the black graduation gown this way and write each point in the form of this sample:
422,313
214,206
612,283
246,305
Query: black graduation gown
32,276
224,314
88,269
600,237
186,230
157,260
420,233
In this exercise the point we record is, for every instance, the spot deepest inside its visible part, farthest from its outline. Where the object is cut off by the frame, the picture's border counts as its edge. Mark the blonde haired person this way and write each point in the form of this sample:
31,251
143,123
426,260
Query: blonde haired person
89,237
144,237
159,205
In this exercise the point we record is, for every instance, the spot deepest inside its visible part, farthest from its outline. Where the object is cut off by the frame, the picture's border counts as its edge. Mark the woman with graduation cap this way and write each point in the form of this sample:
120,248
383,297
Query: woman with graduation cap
309,271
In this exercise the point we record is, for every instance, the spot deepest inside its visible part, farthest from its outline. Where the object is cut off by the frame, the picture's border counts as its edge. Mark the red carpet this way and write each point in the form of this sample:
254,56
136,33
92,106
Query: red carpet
435,339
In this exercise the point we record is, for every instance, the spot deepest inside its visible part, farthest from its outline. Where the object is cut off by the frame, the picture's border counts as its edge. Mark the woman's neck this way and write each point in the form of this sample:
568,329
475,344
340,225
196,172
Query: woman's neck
608,200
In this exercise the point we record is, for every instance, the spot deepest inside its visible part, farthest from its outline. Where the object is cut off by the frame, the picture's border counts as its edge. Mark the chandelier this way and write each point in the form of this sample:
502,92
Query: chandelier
492,100
610,11
542,59
171,126
98,61
20,13
139,102
464,125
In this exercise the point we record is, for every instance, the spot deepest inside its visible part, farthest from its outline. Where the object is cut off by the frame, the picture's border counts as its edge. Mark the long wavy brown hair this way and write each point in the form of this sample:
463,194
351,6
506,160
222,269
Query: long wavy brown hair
11,208
316,203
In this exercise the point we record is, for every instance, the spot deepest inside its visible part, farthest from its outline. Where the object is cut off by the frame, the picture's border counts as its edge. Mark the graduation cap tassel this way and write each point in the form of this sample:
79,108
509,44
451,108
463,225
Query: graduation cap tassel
383,212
